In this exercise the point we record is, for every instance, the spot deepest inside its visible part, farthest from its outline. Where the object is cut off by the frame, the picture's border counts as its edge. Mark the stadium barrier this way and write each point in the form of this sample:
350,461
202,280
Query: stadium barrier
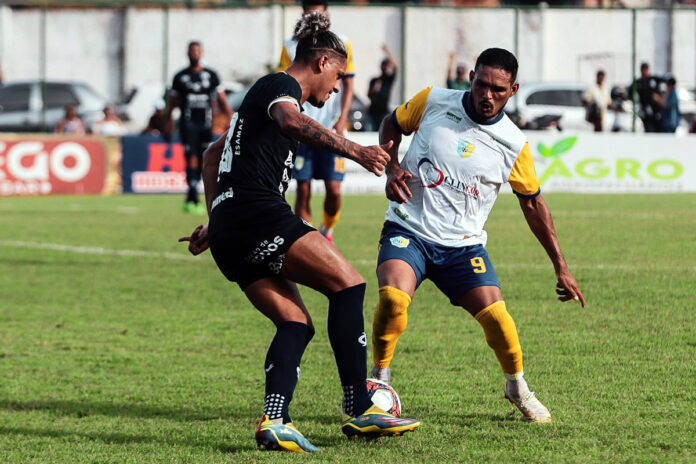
152,165
40,164
580,163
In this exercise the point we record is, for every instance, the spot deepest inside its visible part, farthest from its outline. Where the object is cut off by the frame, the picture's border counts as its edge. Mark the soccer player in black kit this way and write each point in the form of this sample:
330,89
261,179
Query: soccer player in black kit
193,90
258,242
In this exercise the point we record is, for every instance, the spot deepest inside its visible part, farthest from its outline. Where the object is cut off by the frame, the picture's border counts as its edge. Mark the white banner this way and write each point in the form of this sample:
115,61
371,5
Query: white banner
583,163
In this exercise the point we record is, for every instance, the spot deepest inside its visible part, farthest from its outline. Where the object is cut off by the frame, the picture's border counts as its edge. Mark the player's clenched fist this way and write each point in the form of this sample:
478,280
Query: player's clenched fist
375,157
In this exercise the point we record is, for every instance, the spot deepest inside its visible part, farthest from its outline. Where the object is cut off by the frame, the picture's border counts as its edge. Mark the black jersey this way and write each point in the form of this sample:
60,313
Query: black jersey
257,160
196,91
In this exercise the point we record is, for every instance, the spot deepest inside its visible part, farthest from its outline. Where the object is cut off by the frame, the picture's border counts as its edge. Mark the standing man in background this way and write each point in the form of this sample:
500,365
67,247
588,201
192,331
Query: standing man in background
379,90
597,99
457,79
194,90
315,163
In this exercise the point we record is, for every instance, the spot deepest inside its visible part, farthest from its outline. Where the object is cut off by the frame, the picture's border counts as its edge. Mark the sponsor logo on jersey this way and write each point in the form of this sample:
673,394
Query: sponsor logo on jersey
465,148
400,213
433,177
500,142
400,242
453,117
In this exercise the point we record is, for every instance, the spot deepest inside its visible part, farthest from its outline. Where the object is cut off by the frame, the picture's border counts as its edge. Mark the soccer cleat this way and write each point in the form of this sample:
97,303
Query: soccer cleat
381,374
375,422
530,407
282,437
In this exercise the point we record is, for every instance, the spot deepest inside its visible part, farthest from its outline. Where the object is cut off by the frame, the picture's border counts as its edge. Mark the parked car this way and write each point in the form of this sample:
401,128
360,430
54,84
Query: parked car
356,117
564,100
21,105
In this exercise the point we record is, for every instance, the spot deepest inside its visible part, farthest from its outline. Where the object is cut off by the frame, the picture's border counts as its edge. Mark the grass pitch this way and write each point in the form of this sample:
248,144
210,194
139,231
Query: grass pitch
117,347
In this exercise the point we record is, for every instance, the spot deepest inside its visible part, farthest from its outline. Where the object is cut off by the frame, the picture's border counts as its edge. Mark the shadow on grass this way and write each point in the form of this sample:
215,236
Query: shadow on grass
81,409
122,438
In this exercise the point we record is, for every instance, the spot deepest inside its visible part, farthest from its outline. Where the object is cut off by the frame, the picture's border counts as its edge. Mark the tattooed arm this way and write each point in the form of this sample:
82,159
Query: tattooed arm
300,127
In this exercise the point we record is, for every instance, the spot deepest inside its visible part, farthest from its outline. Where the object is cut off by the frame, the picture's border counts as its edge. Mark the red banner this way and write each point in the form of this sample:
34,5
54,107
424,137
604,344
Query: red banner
40,166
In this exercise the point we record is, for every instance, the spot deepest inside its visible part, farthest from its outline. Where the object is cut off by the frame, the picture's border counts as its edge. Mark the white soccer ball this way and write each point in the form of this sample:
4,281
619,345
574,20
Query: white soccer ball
384,396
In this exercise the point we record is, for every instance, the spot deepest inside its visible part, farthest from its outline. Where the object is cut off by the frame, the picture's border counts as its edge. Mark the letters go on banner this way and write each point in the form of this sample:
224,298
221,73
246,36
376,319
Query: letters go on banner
41,165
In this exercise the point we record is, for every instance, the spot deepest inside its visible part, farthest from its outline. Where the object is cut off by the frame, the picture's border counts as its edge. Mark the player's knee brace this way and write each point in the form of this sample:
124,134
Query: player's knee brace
501,335
391,318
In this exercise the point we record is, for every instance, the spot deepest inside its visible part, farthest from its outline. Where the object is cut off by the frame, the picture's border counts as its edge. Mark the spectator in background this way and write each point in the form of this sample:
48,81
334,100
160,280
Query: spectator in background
380,90
158,121
669,104
111,125
71,123
597,99
647,86
457,78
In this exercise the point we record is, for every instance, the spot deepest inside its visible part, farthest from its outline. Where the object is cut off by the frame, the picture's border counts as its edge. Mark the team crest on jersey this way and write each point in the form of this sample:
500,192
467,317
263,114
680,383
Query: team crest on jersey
465,148
400,242
299,163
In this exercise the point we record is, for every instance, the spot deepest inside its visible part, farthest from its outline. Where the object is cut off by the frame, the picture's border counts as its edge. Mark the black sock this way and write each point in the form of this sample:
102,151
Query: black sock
349,343
283,367
193,176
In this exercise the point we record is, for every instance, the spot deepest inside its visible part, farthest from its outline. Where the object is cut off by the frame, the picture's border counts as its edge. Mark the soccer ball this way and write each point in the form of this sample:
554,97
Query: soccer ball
384,396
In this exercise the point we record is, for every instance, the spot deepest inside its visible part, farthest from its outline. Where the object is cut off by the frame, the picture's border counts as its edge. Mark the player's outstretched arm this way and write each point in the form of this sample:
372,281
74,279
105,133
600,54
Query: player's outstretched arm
300,127
396,188
538,216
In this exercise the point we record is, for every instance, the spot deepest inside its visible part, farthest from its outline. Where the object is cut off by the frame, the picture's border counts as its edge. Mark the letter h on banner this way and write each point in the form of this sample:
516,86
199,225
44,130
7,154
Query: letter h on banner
164,157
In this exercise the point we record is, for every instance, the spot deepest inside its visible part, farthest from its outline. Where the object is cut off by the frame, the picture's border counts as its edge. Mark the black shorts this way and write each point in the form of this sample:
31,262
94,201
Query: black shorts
195,139
253,247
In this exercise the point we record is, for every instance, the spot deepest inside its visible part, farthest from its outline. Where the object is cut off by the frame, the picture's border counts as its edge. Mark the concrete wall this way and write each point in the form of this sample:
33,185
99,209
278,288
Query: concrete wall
114,50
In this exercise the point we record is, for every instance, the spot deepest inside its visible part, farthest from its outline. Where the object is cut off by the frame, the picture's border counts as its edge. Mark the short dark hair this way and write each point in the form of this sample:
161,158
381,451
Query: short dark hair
499,58
306,3
194,43
671,81
644,65
601,73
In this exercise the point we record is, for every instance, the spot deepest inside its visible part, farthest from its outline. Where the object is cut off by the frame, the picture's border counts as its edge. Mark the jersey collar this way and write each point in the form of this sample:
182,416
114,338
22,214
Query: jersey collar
475,117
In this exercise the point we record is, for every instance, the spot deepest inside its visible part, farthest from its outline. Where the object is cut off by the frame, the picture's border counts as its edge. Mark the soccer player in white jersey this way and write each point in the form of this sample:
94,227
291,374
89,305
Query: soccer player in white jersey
441,193
316,163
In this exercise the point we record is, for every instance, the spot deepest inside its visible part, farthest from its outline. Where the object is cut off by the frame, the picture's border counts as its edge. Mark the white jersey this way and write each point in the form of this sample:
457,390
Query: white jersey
458,166
328,114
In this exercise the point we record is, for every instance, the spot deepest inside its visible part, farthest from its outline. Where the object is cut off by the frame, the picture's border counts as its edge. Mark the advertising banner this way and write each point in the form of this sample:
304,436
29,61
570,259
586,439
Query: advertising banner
583,162
49,164
151,165
614,163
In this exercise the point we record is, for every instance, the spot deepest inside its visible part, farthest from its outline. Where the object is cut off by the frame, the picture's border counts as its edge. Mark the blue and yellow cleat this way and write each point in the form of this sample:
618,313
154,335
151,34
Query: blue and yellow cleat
282,437
375,423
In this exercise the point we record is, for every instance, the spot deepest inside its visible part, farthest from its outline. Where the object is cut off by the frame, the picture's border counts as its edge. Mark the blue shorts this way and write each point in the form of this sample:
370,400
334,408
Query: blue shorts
314,163
454,270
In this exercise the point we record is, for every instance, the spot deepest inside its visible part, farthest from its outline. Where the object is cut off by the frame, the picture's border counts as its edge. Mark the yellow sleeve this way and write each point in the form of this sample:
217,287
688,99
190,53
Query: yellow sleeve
285,60
350,62
523,178
409,114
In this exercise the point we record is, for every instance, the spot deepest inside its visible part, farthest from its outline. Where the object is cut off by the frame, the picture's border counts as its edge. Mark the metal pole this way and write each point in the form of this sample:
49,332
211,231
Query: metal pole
402,65
516,40
165,48
634,95
42,65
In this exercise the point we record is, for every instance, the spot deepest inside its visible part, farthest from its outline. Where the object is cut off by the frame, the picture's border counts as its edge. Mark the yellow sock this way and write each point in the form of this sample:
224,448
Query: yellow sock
389,323
501,335
329,222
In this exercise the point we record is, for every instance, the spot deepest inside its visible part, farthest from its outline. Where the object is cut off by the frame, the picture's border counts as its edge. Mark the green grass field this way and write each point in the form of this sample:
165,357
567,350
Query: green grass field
117,347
